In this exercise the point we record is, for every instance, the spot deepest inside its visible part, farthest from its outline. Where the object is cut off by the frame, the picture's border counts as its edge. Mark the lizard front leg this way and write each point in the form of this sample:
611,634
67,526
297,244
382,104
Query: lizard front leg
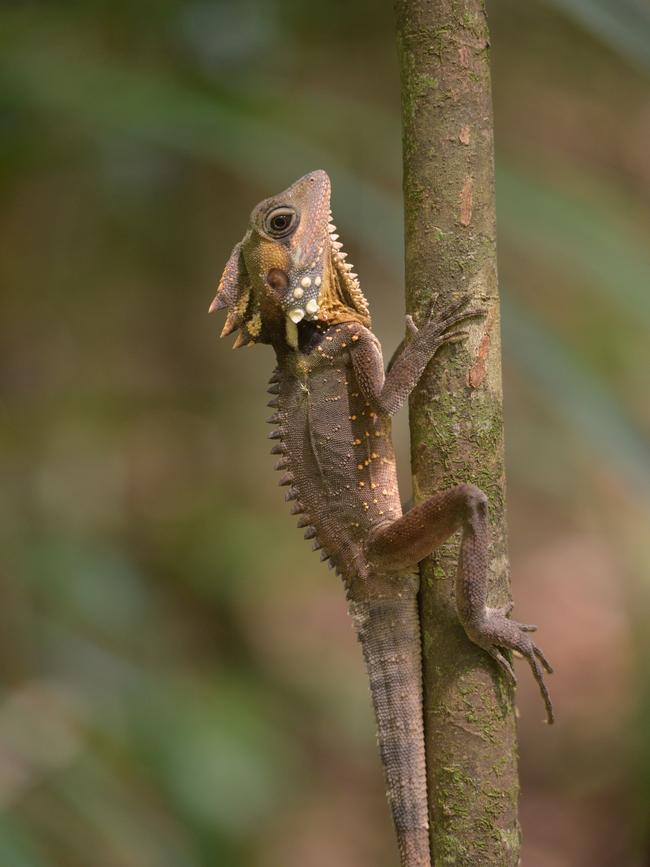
388,391
397,546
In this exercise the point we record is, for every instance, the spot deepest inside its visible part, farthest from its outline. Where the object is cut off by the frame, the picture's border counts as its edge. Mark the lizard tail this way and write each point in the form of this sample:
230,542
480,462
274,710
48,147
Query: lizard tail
389,632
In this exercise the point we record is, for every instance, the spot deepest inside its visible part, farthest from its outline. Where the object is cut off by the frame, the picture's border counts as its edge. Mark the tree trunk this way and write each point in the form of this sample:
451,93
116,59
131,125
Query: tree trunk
456,417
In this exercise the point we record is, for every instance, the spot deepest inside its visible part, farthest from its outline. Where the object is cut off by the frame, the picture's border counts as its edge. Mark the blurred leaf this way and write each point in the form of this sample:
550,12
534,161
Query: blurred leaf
578,397
91,585
221,35
624,25
18,847
124,822
216,750
582,235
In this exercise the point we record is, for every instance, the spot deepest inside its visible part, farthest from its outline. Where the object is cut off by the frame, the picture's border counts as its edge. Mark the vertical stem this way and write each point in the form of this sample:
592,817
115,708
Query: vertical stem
456,417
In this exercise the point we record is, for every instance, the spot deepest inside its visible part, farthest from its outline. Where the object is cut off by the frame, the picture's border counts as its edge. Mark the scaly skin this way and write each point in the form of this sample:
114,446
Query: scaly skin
287,284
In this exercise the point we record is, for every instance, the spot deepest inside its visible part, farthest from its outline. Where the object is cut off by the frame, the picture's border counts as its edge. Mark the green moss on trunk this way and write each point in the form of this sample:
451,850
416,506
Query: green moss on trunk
456,416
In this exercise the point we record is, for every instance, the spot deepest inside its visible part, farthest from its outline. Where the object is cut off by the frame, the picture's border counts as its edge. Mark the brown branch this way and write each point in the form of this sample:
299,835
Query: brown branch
456,416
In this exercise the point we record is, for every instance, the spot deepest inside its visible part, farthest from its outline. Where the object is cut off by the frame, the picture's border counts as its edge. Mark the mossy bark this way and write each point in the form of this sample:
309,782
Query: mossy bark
456,417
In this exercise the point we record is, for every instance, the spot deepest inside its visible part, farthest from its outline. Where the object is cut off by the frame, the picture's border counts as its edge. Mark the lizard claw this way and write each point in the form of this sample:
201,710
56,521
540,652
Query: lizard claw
532,653
444,324
434,317
527,627
538,653
504,664
451,308
497,633
504,611
411,327
431,310
454,337
437,324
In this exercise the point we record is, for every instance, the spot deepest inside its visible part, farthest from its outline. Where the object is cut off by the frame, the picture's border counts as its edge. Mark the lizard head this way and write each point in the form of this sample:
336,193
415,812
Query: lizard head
289,269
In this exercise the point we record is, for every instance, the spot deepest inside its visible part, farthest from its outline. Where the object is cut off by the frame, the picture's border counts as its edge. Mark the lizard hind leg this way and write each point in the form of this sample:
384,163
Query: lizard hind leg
401,544
404,542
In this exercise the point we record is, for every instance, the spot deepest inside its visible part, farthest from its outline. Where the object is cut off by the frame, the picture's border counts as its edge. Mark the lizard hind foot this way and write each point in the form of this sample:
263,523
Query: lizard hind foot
498,633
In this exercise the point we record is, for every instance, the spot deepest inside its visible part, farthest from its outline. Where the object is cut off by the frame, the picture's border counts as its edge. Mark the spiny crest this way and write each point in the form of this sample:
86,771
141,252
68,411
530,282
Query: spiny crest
287,479
346,295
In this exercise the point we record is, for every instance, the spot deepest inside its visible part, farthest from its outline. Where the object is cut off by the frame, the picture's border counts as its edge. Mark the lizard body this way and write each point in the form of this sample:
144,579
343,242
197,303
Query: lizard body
287,284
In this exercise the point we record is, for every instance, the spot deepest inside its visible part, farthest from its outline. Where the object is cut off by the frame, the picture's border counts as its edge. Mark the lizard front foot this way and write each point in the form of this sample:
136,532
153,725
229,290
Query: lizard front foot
435,331
496,632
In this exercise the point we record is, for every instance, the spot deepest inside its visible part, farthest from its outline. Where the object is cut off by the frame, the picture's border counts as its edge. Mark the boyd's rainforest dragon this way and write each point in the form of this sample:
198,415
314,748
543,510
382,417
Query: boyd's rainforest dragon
287,283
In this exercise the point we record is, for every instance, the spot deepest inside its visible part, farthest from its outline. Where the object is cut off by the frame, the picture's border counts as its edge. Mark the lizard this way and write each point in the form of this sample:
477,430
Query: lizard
287,283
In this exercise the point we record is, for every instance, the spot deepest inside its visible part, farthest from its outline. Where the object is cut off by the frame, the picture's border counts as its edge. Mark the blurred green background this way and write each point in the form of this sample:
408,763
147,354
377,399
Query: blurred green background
180,683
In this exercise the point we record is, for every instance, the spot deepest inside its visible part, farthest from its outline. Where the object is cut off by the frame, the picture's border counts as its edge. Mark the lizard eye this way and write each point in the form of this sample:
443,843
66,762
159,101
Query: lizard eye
280,221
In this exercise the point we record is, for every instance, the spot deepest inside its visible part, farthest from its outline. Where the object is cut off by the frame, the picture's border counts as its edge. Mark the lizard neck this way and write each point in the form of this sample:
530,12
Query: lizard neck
302,339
